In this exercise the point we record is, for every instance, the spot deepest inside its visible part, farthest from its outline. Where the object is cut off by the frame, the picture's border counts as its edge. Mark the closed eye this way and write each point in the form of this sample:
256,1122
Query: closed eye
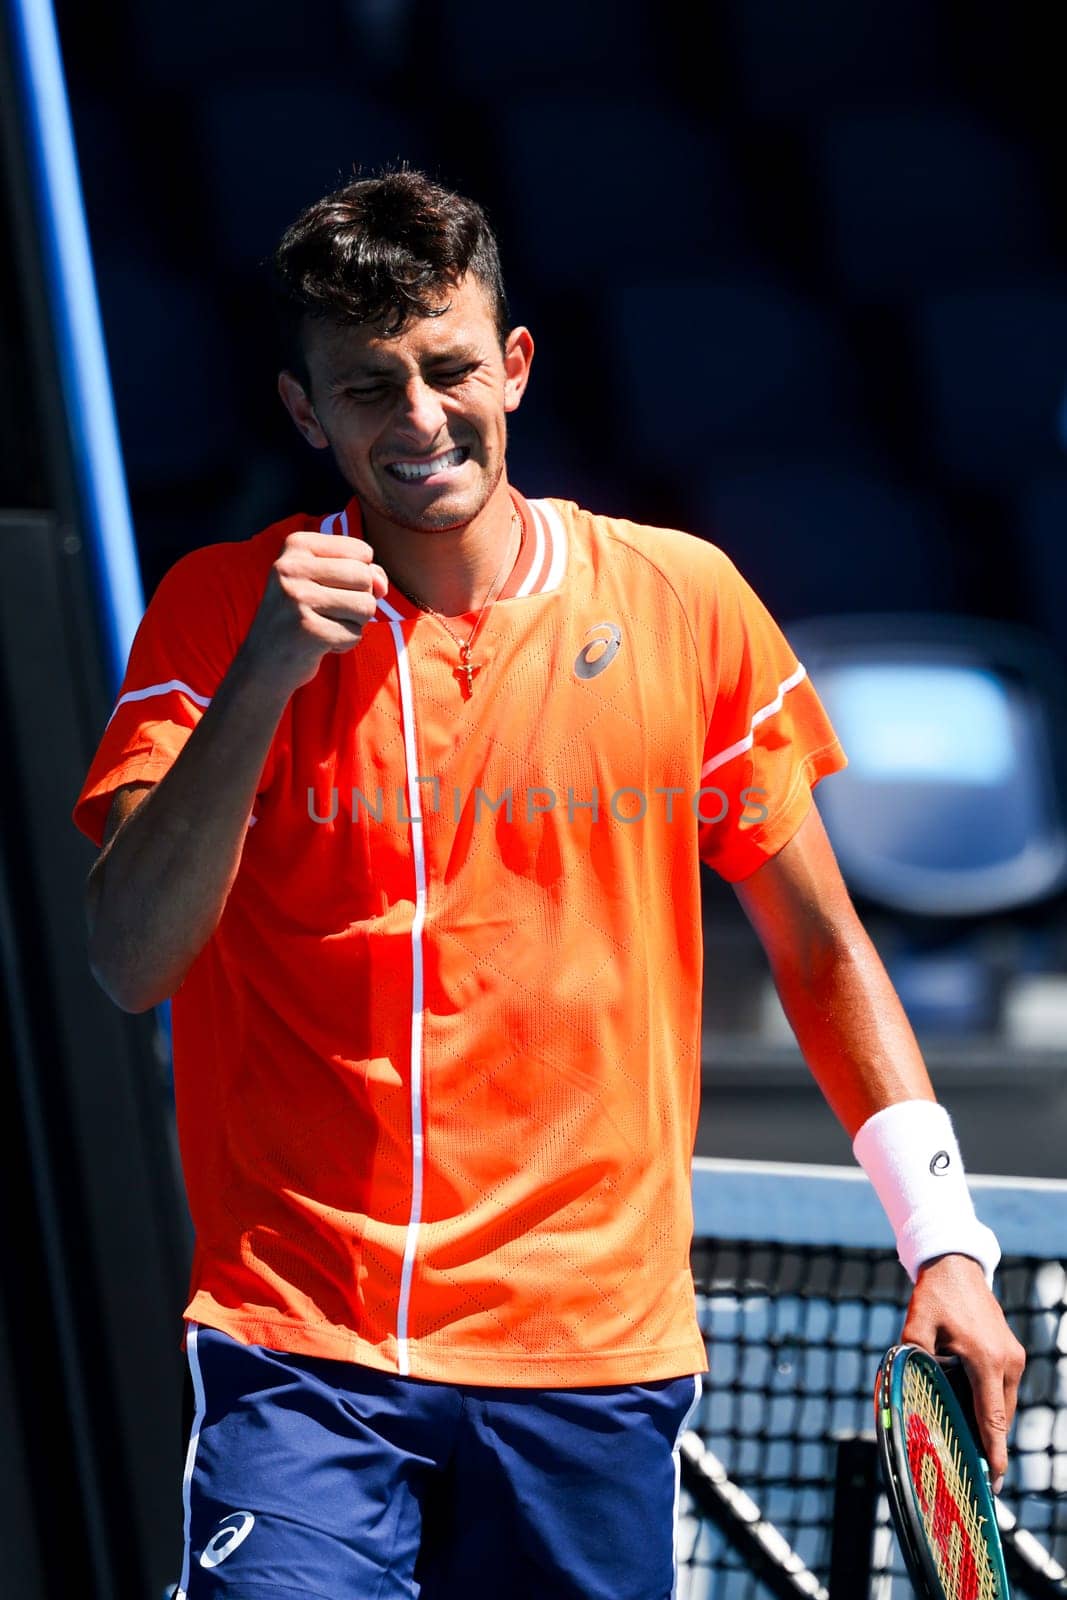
374,392
443,379
455,374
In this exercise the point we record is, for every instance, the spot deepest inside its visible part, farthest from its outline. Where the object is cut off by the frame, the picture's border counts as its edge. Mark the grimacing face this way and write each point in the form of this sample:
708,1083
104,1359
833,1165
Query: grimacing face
417,421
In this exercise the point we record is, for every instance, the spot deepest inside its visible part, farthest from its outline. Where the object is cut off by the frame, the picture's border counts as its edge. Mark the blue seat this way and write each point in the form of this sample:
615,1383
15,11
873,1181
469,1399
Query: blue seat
795,61
922,200
709,368
575,164
488,51
1040,551
821,538
113,181
954,802
184,45
946,991
994,363
270,146
169,353
543,461
551,450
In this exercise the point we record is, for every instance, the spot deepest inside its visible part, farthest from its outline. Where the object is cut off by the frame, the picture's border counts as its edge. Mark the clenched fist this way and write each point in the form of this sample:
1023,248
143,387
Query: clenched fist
321,593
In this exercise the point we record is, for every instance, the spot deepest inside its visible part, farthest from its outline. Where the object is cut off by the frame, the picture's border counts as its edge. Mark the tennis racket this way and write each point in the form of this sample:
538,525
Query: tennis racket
936,1482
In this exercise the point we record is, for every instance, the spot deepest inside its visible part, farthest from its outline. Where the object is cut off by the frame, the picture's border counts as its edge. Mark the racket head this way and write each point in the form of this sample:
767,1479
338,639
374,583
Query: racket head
936,1482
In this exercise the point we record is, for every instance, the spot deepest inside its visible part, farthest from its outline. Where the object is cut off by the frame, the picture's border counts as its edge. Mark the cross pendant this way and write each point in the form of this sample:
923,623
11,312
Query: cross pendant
468,668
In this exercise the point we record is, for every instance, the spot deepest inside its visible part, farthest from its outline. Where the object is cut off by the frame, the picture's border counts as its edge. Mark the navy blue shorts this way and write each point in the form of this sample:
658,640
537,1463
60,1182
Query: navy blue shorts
324,1480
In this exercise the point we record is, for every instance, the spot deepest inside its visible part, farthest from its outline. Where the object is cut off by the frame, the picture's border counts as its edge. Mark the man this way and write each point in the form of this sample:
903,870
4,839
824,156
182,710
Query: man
404,807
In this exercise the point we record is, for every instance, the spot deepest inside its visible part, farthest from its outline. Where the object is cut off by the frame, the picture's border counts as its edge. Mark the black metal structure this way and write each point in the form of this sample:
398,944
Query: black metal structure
856,1487
92,1223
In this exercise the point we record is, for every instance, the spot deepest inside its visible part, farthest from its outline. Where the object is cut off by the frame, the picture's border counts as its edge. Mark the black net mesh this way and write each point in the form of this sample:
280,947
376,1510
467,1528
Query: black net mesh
794,1337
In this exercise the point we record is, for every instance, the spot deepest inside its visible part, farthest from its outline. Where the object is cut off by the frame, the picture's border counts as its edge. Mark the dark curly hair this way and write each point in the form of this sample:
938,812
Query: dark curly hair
382,250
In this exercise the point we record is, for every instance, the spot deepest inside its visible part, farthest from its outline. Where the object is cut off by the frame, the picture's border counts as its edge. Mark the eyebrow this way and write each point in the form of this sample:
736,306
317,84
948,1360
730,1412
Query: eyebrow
361,373
460,355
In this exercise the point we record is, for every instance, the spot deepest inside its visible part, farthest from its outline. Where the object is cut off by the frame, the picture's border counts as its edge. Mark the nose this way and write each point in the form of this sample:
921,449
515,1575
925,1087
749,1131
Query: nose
422,414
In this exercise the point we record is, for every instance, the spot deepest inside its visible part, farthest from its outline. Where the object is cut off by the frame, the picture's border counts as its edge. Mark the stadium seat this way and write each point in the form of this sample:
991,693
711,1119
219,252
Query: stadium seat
490,50
821,538
922,201
269,146
793,61
603,185
199,40
710,368
543,461
994,363
954,802
949,991
113,185
169,353
1041,552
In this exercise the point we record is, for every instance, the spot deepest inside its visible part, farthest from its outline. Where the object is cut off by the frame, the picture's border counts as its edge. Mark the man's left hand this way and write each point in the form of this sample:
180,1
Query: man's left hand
953,1312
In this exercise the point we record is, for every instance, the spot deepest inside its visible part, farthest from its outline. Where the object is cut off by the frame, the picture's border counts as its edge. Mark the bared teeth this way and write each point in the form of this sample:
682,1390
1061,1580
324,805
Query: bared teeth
411,471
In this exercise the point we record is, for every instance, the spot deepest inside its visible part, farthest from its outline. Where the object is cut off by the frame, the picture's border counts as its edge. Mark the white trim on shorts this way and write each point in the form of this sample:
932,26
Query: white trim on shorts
190,1456
698,1389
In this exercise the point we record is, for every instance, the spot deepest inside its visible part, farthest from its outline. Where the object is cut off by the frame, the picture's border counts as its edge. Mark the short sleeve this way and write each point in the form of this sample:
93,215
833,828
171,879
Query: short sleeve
188,637
769,740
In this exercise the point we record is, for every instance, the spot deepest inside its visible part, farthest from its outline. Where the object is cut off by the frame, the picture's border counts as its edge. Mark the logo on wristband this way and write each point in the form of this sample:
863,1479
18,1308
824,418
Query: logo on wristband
940,1163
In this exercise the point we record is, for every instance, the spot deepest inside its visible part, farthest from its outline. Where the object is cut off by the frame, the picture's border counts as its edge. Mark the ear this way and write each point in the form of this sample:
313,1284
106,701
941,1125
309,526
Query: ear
297,402
518,355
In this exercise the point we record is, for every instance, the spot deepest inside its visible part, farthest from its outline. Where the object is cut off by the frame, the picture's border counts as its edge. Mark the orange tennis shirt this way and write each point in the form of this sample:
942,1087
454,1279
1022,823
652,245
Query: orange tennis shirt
437,1069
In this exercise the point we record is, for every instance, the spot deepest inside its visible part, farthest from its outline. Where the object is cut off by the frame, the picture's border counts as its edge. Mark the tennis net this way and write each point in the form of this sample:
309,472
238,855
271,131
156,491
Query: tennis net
800,1293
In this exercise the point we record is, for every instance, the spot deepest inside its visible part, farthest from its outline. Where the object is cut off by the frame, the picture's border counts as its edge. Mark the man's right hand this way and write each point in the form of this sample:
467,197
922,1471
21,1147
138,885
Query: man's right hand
321,593
160,883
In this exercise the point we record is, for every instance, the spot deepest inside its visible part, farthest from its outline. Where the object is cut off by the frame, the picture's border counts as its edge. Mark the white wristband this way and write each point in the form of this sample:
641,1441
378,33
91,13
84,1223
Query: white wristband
909,1152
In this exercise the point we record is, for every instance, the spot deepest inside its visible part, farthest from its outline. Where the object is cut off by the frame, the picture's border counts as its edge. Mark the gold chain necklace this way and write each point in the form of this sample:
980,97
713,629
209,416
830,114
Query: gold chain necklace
466,666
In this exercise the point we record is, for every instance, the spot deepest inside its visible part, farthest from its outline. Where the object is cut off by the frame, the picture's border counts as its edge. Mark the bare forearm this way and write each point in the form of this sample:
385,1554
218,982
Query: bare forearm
850,1025
852,1028
159,886
158,889
860,1047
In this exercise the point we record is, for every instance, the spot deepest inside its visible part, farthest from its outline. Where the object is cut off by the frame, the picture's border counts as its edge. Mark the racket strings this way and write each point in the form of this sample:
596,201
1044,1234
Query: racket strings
945,1493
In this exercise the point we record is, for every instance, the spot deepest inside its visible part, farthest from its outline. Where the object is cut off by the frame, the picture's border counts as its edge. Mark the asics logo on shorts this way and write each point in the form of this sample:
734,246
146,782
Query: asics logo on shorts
601,650
232,1531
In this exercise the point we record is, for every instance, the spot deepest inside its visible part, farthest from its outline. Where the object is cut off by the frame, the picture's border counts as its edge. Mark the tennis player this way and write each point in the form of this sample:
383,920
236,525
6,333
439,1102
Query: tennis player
404,805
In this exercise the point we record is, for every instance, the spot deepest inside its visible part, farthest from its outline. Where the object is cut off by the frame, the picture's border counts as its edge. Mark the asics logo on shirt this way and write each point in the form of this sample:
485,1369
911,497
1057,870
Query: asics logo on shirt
601,650
232,1531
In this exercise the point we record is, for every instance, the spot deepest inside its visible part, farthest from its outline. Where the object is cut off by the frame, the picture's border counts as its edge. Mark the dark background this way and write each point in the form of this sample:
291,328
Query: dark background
798,278
797,273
